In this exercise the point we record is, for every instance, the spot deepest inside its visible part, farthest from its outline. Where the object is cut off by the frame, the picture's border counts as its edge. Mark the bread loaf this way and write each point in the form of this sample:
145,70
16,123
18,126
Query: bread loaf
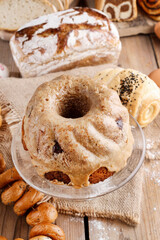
151,7
15,13
137,92
64,40
116,10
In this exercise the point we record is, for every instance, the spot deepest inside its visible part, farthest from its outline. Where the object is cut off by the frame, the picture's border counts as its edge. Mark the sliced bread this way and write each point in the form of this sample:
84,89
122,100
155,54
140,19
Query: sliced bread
15,13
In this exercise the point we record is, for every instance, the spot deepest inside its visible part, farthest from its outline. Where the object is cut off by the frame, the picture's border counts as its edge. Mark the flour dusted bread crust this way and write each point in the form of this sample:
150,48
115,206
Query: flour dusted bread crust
137,92
151,7
75,127
117,10
64,40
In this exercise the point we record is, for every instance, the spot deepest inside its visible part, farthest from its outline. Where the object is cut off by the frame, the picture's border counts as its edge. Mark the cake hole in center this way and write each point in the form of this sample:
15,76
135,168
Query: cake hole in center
74,106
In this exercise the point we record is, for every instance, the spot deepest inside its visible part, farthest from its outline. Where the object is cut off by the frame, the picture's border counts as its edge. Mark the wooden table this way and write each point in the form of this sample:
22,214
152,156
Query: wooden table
142,53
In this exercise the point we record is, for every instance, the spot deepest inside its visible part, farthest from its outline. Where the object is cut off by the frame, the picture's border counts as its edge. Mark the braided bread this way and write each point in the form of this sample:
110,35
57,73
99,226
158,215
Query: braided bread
137,92
151,7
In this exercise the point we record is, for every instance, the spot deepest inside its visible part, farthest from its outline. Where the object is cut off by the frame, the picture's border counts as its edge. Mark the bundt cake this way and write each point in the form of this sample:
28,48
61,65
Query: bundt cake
76,131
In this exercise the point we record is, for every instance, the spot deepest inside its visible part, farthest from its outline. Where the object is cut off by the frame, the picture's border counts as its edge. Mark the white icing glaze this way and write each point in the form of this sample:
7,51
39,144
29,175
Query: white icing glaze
117,10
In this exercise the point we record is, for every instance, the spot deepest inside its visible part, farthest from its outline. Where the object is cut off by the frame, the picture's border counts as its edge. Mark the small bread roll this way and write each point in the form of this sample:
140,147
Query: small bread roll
2,163
13,193
49,230
28,200
11,175
45,212
137,92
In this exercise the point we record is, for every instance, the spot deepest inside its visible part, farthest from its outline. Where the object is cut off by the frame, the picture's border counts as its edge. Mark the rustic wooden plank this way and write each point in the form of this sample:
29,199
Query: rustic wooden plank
21,228
9,222
137,52
72,226
156,44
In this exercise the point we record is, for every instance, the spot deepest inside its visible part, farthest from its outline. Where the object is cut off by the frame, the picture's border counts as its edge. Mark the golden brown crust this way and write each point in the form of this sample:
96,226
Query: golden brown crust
100,175
28,200
45,212
49,230
152,8
11,175
2,163
13,193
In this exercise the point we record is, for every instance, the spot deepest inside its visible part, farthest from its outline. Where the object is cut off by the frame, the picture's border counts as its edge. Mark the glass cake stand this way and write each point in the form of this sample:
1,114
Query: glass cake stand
23,164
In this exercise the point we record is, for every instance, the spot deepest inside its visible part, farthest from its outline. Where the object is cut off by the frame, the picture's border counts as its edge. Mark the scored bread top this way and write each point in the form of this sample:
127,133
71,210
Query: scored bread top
63,35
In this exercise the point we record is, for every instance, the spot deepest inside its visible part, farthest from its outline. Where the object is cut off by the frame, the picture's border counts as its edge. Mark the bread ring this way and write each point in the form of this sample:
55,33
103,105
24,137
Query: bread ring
13,193
28,200
40,238
2,163
9,176
45,212
2,238
49,230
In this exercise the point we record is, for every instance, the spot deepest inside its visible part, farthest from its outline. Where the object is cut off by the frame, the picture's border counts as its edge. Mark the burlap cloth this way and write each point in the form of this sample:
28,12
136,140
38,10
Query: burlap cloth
123,204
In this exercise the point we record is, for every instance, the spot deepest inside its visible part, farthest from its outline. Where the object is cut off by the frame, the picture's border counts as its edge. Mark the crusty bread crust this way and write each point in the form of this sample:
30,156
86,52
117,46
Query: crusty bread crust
64,40
151,8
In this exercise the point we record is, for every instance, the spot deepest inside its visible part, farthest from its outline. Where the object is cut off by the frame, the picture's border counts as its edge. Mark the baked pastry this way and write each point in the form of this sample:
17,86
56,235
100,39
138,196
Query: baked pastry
137,92
116,10
151,7
74,128
46,229
15,13
64,40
